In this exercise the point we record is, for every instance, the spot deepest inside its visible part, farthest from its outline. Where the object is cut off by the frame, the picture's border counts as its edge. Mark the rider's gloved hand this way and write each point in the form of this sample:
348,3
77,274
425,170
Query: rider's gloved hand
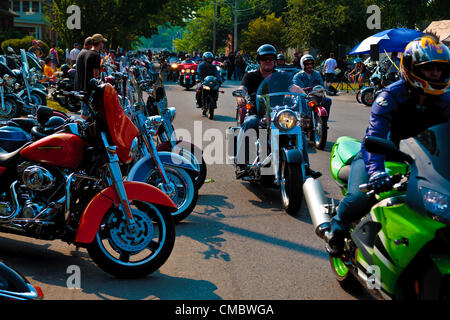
380,182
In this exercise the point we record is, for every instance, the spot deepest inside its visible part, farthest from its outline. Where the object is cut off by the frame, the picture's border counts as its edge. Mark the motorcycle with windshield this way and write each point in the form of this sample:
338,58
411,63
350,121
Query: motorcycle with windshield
11,104
400,249
279,156
69,186
187,72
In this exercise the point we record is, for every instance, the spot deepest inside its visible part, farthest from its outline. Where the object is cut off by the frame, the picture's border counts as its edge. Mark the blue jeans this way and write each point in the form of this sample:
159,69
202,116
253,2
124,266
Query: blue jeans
356,203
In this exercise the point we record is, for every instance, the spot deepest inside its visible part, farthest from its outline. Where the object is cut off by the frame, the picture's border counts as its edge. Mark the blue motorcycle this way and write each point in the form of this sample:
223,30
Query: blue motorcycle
280,156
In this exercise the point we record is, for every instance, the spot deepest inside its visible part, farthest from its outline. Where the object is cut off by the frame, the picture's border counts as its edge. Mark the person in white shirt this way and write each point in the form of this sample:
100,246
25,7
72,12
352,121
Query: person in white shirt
74,54
330,67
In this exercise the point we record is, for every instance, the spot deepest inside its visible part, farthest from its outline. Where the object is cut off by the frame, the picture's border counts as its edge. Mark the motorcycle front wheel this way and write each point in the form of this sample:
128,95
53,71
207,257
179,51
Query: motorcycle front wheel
291,180
211,106
367,97
184,195
320,132
10,109
137,253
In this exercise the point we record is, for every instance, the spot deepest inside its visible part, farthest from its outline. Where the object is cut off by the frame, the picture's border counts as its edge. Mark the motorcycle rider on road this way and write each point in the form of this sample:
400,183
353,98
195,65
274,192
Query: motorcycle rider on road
265,56
308,78
402,110
206,68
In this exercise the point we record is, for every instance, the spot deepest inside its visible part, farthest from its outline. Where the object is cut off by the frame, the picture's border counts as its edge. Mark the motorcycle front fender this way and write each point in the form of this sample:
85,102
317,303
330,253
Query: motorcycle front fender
104,200
140,169
17,98
292,155
321,111
367,89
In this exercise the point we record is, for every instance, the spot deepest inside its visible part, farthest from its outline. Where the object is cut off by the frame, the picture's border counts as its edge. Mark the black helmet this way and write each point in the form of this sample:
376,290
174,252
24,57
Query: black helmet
65,68
265,50
281,56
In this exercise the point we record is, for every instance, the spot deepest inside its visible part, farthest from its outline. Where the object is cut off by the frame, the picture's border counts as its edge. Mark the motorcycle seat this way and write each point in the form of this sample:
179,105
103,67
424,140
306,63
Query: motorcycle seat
344,173
6,158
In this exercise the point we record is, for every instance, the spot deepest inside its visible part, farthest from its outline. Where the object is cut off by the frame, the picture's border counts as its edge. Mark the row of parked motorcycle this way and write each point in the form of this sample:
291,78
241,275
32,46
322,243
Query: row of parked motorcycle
381,75
115,184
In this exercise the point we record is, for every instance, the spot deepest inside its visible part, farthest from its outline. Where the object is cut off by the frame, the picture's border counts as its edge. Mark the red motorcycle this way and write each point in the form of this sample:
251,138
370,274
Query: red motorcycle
314,120
187,74
69,186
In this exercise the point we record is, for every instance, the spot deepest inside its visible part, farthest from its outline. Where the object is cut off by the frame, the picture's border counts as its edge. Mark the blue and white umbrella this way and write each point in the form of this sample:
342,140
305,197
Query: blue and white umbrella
388,40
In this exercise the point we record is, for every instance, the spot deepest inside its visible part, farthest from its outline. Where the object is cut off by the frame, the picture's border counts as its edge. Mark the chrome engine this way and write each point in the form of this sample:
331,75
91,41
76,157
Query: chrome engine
37,178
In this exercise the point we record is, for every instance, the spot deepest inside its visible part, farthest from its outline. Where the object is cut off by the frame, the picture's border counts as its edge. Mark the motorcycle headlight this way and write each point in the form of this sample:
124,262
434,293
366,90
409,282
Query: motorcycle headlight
174,65
183,71
218,68
133,149
286,120
172,113
207,87
192,71
188,70
436,202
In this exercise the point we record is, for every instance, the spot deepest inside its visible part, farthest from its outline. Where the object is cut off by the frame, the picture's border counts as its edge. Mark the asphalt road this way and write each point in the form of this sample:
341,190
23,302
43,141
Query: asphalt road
237,244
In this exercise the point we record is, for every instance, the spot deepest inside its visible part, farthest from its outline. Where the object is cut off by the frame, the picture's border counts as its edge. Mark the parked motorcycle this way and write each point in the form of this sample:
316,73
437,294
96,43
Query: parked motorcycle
62,92
378,80
69,186
14,286
210,95
11,104
157,105
400,249
280,147
168,171
187,74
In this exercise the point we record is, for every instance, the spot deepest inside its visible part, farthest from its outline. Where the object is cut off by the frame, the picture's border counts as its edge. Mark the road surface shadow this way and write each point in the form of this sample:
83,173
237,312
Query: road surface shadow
39,263
222,118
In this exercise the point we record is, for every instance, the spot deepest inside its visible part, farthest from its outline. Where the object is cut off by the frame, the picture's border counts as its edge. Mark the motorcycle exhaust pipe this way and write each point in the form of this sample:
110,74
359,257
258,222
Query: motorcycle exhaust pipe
317,205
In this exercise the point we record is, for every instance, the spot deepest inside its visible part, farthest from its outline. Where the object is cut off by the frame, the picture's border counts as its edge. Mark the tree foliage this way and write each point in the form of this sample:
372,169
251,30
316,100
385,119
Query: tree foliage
260,31
122,22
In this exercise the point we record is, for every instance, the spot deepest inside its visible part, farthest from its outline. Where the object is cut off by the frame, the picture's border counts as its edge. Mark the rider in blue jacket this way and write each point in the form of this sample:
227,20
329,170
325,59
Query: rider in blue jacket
402,110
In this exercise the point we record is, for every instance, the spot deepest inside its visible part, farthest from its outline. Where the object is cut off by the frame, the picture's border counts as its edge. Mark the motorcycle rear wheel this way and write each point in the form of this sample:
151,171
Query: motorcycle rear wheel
127,254
345,278
291,187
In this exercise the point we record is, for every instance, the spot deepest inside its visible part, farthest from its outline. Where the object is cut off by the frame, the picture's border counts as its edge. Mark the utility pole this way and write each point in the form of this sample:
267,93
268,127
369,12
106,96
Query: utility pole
214,29
235,25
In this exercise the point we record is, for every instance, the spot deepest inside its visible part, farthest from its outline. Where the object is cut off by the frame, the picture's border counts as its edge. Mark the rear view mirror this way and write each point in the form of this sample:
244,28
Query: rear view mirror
238,93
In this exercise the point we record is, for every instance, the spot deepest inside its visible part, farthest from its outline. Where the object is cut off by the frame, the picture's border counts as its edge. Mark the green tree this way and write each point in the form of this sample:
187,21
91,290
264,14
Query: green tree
122,22
260,31
325,24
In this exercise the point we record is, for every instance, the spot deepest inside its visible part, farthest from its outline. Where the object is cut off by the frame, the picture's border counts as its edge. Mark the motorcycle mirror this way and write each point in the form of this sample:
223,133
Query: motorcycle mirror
11,50
385,147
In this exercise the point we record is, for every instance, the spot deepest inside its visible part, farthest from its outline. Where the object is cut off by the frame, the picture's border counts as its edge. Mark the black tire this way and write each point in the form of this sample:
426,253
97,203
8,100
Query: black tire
368,97
155,222
291,187
72,105
345,278
320,132
192,153
186,194
358,96
12,109
40,98
211,112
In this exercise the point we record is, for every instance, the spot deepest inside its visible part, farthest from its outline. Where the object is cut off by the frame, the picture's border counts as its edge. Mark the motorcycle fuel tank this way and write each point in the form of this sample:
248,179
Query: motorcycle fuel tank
61,150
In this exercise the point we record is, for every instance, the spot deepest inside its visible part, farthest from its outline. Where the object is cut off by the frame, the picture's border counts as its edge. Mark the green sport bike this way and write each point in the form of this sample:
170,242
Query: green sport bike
401,249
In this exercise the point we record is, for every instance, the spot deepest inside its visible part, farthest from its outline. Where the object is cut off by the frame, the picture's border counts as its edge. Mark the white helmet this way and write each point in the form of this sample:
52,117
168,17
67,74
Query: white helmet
304,58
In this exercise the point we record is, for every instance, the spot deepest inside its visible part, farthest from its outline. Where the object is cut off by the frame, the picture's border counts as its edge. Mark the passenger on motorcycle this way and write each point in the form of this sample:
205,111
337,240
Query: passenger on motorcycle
265,56
402,110
308,78
206,68
281,61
